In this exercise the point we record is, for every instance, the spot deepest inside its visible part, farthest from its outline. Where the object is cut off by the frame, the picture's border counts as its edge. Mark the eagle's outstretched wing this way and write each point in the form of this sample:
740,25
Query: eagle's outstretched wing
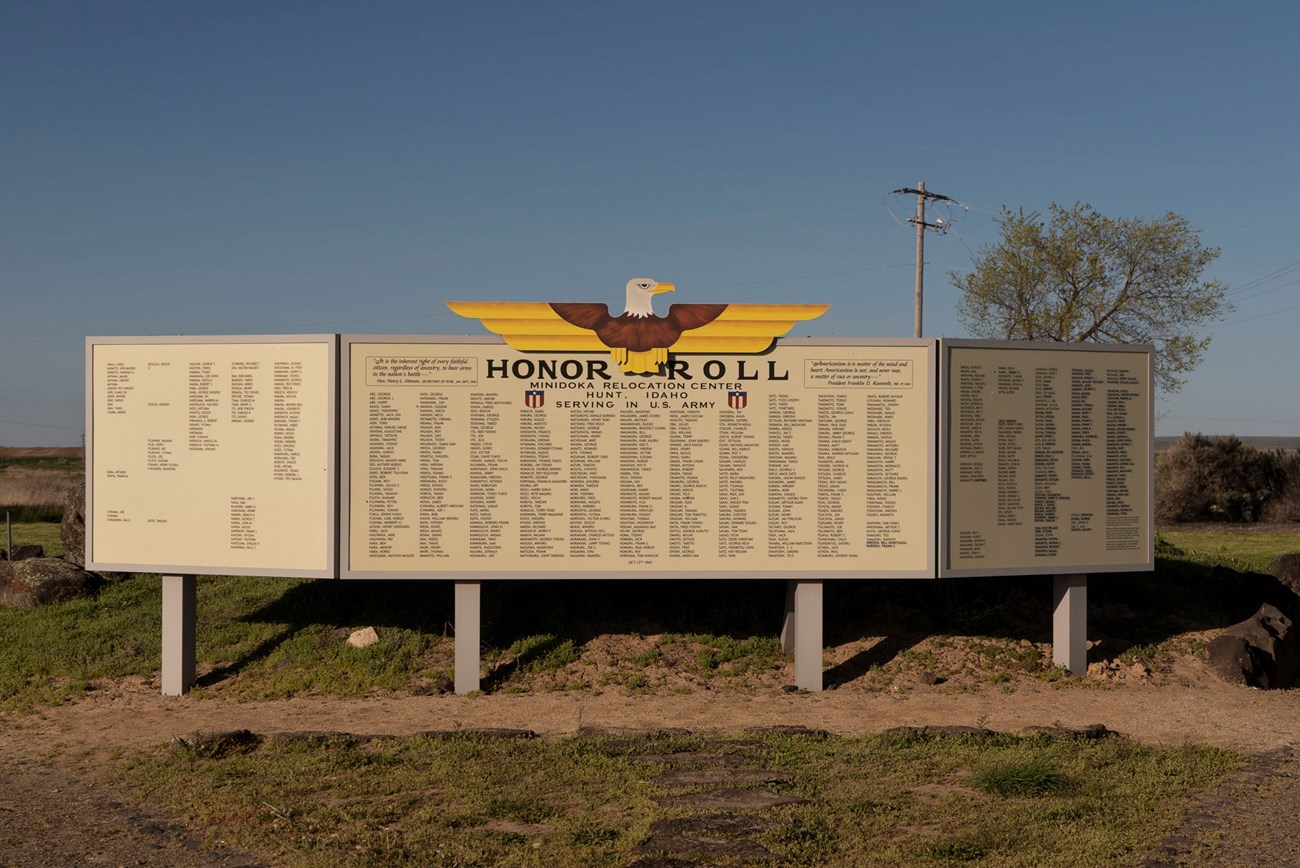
573,326
744,328
533,325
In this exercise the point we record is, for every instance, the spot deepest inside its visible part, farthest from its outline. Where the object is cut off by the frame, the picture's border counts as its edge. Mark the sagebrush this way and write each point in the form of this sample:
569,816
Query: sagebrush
1204,478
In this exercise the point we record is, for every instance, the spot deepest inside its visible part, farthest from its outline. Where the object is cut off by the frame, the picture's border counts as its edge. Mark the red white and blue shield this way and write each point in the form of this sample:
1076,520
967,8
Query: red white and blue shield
737,400
534,398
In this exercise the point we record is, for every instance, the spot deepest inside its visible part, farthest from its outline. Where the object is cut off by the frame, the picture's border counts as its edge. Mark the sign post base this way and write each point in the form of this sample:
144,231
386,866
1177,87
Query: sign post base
179,614
468,627
1070,623
802,633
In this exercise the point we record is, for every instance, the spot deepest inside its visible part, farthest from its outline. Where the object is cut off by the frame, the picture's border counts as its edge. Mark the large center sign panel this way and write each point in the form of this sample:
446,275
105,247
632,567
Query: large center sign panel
468,459
211,454
1047,454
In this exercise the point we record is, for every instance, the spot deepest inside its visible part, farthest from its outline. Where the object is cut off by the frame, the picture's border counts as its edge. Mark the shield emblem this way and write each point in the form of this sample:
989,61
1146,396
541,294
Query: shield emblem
534,398
737,400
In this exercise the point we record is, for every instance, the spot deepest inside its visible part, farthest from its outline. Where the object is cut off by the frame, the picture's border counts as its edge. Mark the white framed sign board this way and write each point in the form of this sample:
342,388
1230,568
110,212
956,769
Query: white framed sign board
212,455
465,459
1045,458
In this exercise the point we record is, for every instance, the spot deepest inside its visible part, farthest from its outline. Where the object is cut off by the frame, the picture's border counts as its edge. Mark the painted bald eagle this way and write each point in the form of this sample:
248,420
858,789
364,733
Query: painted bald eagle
638,340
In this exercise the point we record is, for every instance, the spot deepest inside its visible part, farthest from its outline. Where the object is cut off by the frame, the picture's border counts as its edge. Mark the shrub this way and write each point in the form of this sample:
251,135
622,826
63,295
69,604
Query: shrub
1205,478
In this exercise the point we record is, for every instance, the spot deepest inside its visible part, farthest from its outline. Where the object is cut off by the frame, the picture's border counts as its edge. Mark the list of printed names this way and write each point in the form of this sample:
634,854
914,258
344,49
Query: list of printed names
616,476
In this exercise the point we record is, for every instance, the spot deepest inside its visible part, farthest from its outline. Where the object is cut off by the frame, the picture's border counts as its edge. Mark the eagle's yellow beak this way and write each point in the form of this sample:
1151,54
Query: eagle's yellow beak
663,287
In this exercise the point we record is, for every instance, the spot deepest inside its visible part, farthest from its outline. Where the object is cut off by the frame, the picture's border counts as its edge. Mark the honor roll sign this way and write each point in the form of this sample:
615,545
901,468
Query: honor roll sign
211,455
1046,458
582,444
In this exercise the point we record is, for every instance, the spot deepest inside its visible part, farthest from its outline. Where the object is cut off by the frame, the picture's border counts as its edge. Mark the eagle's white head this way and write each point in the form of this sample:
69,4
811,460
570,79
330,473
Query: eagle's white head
639,292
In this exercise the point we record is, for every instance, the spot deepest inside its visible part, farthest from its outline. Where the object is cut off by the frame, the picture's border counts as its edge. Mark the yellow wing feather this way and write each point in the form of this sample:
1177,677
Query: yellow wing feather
529,325
746,328
535,326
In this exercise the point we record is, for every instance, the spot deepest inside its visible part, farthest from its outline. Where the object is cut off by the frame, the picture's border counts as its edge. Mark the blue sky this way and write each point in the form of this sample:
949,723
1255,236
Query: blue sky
319,167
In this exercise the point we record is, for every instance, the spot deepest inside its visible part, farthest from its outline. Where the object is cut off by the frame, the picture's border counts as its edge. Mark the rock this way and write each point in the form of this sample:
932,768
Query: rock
693,759
363,638
679,845
1089,732
1233,660
41,581
482,732
1286,569
310,736
1242,593
715,825
436,687
730,800
789,729
23,553
72,530
719,777
1259,651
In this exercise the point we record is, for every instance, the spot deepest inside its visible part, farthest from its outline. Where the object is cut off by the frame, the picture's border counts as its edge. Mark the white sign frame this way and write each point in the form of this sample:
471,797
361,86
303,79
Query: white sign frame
945,469
330,570
613,571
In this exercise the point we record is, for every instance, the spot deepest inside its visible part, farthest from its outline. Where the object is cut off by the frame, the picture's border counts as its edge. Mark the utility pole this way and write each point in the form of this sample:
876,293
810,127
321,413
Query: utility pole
921,195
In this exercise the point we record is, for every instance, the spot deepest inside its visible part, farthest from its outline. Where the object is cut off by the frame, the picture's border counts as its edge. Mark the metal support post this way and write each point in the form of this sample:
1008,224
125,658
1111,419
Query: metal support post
179,615
1070,623
467,636
807,638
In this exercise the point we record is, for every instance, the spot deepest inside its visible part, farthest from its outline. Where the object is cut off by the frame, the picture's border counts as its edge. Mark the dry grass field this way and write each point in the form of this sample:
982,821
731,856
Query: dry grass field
34,481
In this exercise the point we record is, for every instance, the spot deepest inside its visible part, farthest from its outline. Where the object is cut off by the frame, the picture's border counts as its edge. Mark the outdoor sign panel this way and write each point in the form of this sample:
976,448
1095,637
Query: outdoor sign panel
211,455
1046,458
465,458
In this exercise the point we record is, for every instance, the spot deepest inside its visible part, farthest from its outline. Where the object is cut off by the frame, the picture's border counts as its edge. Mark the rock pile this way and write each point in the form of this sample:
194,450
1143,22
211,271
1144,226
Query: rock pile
28,579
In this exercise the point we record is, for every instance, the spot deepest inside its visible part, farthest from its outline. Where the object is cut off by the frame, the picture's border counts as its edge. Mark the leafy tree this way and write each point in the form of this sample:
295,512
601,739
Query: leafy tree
1083,276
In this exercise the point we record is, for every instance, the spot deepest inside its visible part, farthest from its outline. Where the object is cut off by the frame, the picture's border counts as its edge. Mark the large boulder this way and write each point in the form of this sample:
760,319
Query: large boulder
41,581
1286,569
1258,652
73,532
1241,594
22,553
73,528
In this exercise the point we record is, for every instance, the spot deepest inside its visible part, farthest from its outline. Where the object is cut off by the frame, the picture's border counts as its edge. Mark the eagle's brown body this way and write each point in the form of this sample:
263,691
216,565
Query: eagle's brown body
639,341
638,333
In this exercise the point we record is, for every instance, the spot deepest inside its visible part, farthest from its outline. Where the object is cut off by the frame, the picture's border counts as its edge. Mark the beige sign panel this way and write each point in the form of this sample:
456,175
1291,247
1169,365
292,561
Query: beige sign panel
1047,459
212,455
469,459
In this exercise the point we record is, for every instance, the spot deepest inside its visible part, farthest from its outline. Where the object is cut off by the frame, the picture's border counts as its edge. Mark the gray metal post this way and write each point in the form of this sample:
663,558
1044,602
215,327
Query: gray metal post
9,534
1070,623
467,626
179,614
808,636
787,622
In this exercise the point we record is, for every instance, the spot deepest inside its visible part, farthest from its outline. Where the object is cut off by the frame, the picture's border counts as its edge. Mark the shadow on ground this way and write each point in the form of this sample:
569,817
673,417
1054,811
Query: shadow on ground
1125,609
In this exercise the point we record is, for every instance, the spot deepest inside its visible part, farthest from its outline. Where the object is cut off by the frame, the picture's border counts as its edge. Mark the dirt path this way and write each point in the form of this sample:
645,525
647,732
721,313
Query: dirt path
56,814
56,807
136,716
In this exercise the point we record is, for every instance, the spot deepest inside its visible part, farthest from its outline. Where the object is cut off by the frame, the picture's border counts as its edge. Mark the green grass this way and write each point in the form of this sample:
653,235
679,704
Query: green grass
1020,778
52,654
1234,548
267,638
42,533
879,800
